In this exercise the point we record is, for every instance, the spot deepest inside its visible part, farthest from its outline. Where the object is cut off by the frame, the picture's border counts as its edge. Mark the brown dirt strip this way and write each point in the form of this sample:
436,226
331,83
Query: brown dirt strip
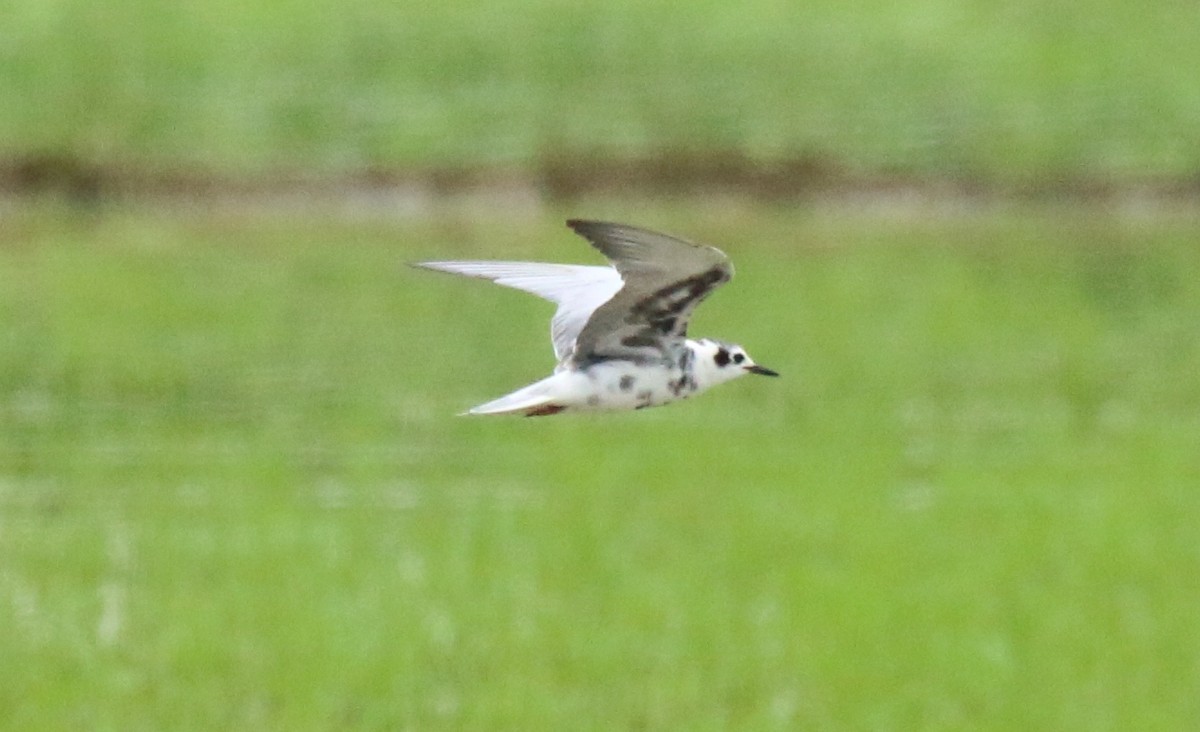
567,179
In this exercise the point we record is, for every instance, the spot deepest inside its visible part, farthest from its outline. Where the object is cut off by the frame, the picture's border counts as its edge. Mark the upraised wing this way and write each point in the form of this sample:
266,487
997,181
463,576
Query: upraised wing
665,279
577,290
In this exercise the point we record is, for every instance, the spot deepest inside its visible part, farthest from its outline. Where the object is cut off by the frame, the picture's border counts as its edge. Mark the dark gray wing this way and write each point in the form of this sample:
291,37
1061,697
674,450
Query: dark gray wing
665,279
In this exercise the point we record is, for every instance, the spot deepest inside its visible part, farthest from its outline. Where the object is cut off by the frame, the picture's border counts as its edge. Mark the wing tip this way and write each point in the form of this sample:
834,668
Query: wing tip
585,226
582,226
428,265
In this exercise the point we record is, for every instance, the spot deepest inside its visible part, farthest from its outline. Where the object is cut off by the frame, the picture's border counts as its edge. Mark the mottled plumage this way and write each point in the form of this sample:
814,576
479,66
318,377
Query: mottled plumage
620,332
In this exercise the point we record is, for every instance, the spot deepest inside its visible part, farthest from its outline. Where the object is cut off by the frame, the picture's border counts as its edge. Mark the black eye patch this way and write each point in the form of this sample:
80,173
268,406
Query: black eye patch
722,357
739,357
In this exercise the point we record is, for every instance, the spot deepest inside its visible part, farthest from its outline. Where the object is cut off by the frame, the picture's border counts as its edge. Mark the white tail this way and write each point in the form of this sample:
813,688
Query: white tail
532,398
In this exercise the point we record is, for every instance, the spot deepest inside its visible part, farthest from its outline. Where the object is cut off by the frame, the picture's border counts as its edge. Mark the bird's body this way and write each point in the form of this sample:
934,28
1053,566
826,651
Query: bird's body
620,332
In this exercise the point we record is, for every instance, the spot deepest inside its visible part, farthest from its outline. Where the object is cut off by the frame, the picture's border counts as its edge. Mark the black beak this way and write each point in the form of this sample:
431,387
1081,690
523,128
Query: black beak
761,371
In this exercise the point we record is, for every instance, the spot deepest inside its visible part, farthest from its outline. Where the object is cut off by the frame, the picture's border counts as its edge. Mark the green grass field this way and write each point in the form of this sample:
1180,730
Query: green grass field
932,87
234,494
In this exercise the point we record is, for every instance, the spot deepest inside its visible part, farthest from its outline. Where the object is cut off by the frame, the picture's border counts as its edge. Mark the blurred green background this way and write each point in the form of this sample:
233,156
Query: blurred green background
233,491
929,85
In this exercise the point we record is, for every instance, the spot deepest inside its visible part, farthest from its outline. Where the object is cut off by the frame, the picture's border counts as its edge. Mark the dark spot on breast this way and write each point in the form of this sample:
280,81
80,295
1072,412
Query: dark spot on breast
644,398
721,358
683,383
627,382
593,400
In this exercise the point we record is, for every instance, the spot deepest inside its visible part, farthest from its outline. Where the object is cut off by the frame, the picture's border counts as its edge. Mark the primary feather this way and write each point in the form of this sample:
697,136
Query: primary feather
577,290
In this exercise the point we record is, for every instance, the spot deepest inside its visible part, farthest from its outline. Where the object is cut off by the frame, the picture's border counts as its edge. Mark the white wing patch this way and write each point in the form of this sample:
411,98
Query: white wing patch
577,290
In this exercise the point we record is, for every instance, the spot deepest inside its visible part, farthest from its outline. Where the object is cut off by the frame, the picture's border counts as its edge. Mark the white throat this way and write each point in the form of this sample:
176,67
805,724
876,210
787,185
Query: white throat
704,366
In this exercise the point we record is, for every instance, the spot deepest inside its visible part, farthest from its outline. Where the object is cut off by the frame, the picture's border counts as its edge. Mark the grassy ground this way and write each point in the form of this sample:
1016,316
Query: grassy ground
233,493
1029,88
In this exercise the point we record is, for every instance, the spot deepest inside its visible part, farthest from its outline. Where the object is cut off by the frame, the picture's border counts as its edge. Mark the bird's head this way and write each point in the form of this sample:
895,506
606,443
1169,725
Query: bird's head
717,362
